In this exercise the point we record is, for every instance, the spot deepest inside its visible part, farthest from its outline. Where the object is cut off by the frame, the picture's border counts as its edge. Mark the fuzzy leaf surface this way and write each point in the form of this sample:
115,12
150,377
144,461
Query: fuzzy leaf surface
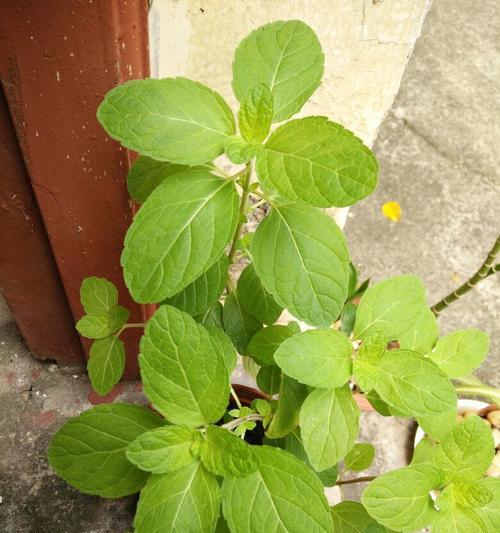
256,113
423,336
490,513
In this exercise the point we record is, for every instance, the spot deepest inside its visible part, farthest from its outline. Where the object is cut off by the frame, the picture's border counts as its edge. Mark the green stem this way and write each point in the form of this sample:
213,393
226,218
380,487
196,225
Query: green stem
131,325
364,479
238,421
236,399
486,269
490,393
243,206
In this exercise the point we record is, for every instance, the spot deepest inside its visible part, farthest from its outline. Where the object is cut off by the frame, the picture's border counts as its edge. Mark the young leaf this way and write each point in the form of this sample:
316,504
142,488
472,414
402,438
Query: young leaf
225,454
190,215
459,520
266,341
185,500
468,494
204,291
256,113
333,168
98,295
286,417
301,257
319,358
284,55
360,457
172,119
184,373
100,326
329,421
88,451
352,517
459,353
239,151
212,317
423,336
490,513
282,495
255,299
409,382
106,364
146,174
164,449
269,379
222,343
466,452
393,306
400,499
238,324
423,451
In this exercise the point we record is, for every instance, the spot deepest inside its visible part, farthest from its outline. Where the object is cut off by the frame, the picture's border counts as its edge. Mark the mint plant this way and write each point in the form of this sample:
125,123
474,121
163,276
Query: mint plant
189,456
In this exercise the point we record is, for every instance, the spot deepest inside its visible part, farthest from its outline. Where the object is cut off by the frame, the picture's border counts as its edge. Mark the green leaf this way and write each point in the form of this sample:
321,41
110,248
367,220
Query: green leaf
106,364
360,457
88,451
353,280
222,343
200,295
365,364
269,379
413,384
376,402
438,425
490,513
146,174
238,324
172,119
459,353
400,499
98,295
255,299
185,500
329,421
286,417
283,495
392,306
212,317
348,317
319,358
284,55
256,113
225,454
352,517
266,341
459,520
184,373
333,168
423,336
164,449
100,326
239,151
466,452
468,494
423,451
301,257
179,233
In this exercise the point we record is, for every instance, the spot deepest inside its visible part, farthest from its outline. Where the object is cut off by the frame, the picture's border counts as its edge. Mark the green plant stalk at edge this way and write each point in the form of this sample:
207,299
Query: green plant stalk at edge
486,269
491,393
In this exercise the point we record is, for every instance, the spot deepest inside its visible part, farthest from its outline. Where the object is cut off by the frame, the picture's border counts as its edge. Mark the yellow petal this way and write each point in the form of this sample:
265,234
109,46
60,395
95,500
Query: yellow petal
392,211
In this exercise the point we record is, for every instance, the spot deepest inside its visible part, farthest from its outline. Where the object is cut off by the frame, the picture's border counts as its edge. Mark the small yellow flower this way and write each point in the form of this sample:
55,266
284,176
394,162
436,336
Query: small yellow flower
392,211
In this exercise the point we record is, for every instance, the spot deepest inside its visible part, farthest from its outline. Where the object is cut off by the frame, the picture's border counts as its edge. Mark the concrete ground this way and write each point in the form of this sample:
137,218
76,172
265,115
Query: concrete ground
439,153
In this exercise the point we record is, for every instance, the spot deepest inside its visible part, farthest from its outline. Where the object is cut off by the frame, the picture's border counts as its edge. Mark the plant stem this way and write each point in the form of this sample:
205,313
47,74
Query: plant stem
236,399
491,393
486,269
131,325
364,479
243,206
238,421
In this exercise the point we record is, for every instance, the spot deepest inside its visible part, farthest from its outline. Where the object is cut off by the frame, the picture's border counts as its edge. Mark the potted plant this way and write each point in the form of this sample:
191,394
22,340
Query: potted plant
202,464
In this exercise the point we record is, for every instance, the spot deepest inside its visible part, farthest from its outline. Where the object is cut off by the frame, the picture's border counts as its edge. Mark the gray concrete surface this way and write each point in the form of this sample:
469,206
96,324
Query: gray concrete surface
439,152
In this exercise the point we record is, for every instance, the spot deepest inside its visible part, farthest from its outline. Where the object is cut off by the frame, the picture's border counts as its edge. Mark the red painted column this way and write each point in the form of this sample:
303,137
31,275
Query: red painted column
59,58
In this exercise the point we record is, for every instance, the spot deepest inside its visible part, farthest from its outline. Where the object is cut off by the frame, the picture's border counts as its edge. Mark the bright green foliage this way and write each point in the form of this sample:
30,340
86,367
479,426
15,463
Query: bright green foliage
191,215
98,295
224,454
438,425
185,500
173,119
468,494
200,295
240,325
265,343
329,421
269,379
360,457
301,257
88,451
146,174
212,317
423,336
352,517
239,151
392,306
164,449
490,513
459,353
319,358
183,372
256,113
106,364
102,325
255,299
222,343
465,453
400,499
459,520
367,358
317,161
284,55
423,451
283,495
